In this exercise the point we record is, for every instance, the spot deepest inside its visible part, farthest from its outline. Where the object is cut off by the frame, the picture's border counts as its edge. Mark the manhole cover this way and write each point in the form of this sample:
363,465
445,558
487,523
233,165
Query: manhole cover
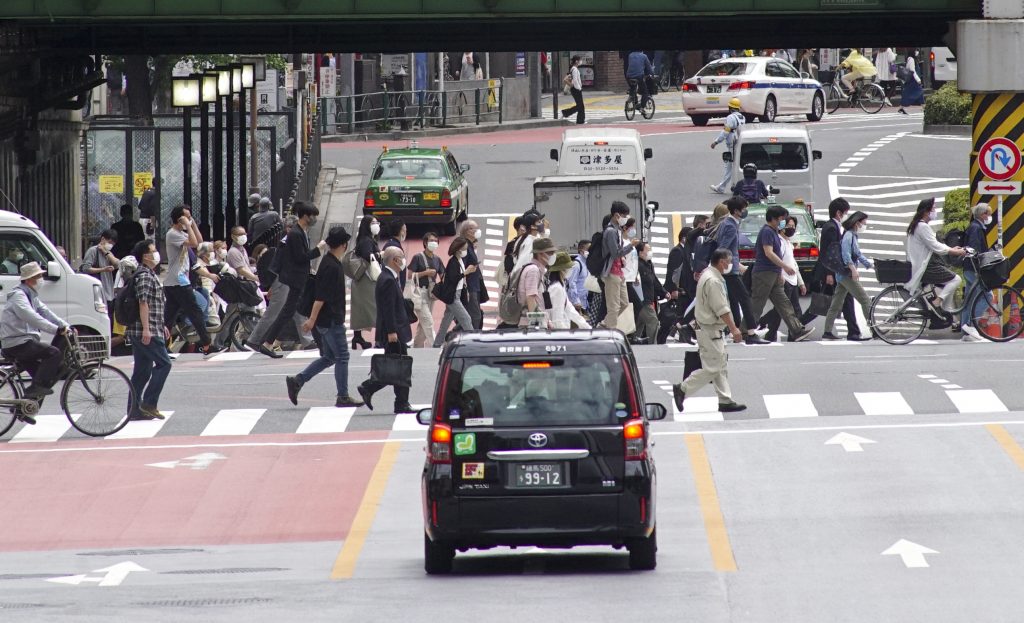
143,552
4,606
200,603
223,571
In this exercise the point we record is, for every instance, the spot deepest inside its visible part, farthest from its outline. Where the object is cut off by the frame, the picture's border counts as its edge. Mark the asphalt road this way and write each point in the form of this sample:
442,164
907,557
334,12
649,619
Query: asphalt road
866,482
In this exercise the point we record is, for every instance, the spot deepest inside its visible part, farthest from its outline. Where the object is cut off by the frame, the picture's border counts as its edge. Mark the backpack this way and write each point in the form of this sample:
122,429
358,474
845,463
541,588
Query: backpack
902,74
595,261
833,258
702,256
126,304
510,310
352,265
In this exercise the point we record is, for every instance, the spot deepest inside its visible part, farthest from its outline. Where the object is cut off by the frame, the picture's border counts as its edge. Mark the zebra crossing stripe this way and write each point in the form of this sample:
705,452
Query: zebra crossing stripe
47,428
142,429
233,356
976,401
326,420
789,406
406,422
883,403
232,422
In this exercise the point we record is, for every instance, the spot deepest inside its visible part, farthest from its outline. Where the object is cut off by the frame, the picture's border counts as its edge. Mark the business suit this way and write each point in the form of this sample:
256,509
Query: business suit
831,232
391,318
294,259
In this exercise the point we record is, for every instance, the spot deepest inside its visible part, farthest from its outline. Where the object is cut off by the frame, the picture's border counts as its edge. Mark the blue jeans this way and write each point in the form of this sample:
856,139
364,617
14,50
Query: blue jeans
152,366
970,277
333,352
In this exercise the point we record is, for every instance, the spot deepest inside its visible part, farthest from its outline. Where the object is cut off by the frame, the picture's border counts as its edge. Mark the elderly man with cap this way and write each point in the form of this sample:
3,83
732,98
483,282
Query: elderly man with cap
532,282
262,222
22,321
254,200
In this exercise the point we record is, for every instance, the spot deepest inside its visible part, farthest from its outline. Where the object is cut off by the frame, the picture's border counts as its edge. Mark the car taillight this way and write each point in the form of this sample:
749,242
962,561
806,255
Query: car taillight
689,87
368,200
636,439
931,57
742,86
446,199
746,254
805,253
440,443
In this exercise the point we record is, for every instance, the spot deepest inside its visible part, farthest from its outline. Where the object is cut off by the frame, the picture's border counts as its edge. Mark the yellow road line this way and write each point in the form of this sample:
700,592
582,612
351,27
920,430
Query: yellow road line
677,224
345,564
512,233
707,494
1009,444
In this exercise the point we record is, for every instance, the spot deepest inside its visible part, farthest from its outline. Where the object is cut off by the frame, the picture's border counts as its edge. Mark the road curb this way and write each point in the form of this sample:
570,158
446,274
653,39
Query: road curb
468,129
953,130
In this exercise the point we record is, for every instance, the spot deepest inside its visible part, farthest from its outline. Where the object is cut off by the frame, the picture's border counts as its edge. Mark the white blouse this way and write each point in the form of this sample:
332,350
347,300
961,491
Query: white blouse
562,312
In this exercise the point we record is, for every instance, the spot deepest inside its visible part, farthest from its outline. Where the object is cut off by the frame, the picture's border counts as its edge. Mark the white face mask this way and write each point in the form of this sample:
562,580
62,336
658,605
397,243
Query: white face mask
401,264
463,253
986,221
241,240
476,234
934,214
551,260
631,233
18,256
221,254
156,257
585,254
375,228
432,245
862,228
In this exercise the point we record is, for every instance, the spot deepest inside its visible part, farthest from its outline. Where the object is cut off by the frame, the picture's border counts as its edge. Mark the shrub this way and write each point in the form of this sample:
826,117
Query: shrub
956,211
947,106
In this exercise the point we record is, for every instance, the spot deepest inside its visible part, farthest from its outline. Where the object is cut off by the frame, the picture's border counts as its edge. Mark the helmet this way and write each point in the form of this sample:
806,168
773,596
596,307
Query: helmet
734,104
750,170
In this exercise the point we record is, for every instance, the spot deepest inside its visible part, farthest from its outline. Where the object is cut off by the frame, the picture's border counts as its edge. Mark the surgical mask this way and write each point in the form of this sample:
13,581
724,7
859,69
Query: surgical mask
375,228
781,226
934,214
401,237
463,253
401,264
241,240
631,233
312,221
221,254
104,247
476,234
432,245
789,231
551,259
862,228
585,254
987,221
18,256
744,214
156,257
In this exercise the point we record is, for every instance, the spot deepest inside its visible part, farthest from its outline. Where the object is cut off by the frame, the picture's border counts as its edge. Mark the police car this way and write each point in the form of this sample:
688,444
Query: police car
538,439
765,86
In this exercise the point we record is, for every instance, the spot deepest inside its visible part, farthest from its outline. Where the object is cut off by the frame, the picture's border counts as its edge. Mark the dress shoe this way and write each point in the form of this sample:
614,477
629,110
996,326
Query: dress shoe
404,408
346,401
828,335
293,385
771,336
366,396
857,337
152,412
753,339
678,396
263,350
141,417
687,335
731,407
212,349
803,335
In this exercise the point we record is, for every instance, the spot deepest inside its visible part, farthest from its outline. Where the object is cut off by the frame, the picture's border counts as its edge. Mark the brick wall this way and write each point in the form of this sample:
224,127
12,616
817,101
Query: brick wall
608,72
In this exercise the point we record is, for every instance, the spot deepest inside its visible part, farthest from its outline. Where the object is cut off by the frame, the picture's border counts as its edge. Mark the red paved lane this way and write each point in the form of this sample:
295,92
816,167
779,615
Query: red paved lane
111,499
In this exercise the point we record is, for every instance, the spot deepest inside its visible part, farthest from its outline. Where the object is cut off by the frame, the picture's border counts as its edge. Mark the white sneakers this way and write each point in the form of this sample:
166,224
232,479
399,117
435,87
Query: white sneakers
970,334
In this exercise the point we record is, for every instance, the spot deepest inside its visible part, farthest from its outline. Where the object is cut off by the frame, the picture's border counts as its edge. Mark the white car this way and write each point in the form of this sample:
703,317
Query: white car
765,86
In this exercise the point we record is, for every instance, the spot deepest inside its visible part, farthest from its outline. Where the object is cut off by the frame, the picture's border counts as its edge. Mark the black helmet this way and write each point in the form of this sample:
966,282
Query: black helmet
750,170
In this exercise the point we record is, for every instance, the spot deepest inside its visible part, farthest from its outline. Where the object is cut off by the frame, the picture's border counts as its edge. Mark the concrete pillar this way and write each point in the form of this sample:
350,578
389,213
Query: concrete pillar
533,71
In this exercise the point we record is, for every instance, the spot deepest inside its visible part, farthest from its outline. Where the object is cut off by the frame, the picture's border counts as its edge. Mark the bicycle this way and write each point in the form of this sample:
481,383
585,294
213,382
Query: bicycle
96,397
867,94
897,317
238,323
671,77
632,103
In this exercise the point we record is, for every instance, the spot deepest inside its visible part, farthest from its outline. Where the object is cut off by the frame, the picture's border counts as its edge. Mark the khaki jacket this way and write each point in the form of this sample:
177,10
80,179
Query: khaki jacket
712,300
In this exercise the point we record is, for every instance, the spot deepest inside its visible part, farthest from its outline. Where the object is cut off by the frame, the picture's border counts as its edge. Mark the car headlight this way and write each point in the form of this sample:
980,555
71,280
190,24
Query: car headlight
97,299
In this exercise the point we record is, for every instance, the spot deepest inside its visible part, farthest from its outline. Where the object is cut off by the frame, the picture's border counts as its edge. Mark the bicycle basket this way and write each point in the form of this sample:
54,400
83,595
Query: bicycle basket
892,271
89,348
993,269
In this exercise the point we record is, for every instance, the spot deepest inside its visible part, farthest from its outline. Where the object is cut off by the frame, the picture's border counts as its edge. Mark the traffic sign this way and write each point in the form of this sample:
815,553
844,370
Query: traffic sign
999,159
999,188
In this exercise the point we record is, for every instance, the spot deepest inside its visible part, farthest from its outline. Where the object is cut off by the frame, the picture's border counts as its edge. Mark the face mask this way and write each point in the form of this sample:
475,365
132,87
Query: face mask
862,228
551,260
463,253
375,228
631,233
241,240
781,226
401,264
432,245
934,214
987,221
585,254
156,257
19,256
312,221
476,234
401,238
221,254
789,231
743,214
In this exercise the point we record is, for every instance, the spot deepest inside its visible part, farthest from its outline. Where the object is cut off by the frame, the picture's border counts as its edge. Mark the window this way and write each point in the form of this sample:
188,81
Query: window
787,71
18,249
574,390
727,68
416,168
773,71
775,156
751,226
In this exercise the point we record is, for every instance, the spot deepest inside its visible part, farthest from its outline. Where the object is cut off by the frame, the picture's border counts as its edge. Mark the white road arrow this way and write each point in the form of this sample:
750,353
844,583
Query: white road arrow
112,575
199,461
911,553
850,443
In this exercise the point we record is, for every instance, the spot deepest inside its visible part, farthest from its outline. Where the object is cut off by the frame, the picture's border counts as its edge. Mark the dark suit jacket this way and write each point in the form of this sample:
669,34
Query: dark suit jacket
391,316
676,258
452,276
830,235
294,256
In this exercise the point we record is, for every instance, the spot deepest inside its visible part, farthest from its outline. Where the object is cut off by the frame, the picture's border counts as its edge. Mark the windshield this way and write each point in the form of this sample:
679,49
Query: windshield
728,68
570,391
752,225
775,156
410,168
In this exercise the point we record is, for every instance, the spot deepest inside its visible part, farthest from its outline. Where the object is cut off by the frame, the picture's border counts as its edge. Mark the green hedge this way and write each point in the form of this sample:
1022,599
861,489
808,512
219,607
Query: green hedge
956,211
947,106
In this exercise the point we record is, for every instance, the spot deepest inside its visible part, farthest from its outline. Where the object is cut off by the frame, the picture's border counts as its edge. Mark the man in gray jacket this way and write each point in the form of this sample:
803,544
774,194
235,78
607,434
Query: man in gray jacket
23,319
613,248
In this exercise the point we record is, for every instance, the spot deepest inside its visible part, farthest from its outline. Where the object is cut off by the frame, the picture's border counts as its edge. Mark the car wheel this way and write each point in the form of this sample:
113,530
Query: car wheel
750,118
643,553
437,557
817,107
700,120
770,108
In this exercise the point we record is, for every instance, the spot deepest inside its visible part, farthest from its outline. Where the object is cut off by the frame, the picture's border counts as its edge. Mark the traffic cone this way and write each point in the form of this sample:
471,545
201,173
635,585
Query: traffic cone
991,325
1014,314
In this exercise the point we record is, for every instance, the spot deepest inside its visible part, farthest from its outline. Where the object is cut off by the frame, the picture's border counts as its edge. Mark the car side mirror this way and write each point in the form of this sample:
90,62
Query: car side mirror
816,154
464,167
805,75
775,191
648,153
727,156
425,416
554,155
655,411
53,271
820,224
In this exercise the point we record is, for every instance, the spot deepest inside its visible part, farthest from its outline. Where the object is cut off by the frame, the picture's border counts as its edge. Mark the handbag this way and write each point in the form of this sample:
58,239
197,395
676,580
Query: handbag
410,311
591,284
627,323
352,265
391,369
373,270
820,303
691,363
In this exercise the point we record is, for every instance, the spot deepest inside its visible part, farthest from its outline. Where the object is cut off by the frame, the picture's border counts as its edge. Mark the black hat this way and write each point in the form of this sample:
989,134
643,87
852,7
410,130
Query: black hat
337,237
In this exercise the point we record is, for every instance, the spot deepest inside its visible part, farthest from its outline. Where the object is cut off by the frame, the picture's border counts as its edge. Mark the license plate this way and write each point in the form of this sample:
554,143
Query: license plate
431,196
714,88
537,476
408,199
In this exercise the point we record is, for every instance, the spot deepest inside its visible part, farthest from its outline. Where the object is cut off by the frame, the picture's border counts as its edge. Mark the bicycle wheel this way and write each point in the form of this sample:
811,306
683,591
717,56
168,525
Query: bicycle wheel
833,97
241,328
9,390
871,98
893,320
648,110
98,399
630,109
995,313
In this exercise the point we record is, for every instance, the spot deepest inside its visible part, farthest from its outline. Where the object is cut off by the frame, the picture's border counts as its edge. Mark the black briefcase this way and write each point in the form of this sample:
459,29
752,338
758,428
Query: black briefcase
391,369
691,363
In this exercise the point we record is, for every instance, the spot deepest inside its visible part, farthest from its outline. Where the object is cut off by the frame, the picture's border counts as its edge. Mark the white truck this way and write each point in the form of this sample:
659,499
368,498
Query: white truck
784,158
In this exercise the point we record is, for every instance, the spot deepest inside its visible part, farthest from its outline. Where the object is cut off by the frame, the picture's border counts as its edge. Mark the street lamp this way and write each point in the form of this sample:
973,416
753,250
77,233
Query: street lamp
234,83
223,91
259,65
185,93
207,96
246,71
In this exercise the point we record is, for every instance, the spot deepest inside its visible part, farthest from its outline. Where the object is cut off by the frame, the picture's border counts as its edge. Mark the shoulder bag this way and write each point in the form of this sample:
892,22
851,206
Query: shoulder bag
373,270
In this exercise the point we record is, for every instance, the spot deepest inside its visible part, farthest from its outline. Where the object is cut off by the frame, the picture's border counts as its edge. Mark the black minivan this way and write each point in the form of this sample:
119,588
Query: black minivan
538,439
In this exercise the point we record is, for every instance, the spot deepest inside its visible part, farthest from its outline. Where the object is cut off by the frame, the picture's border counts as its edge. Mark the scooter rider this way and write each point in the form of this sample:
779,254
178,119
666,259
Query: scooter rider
729,134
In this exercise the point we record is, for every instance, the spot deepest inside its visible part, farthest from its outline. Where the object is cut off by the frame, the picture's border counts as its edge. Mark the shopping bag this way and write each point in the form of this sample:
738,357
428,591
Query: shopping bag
819,304
627,322
391,369
691,363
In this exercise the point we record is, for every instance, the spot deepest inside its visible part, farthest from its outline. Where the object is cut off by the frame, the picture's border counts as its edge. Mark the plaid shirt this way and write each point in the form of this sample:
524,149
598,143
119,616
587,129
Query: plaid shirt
148,290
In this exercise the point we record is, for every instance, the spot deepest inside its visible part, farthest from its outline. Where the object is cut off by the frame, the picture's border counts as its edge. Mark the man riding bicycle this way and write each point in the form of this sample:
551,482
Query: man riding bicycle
858,66
23,319
638,68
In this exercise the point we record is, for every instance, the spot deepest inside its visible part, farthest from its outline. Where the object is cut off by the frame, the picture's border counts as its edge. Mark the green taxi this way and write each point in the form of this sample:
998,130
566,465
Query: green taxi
418,185
805,242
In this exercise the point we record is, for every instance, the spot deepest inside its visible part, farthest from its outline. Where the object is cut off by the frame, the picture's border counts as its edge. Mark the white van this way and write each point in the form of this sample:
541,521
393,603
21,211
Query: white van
601,151
76,298
943,63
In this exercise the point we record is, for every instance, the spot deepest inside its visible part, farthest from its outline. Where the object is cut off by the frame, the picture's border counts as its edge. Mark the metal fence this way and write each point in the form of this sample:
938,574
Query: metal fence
386,111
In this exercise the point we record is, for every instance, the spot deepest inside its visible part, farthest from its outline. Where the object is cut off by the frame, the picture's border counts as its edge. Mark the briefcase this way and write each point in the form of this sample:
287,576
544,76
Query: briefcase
820,303
691,363
391,369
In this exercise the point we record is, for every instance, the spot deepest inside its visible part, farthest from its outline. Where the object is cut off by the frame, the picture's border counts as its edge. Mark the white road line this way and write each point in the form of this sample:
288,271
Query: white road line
952,386
233,422
142,429
47,428
303,354
326,420
883,403
496,221
494,232
659,230
938,381
700,409
406,422
789,406
976,401
237,356
370,352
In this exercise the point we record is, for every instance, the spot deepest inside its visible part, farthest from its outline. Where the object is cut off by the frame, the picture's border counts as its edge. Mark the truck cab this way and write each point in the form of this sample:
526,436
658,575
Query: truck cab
785,161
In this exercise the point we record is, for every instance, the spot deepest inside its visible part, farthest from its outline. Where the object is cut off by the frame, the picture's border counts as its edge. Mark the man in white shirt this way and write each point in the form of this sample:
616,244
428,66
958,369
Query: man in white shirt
576,89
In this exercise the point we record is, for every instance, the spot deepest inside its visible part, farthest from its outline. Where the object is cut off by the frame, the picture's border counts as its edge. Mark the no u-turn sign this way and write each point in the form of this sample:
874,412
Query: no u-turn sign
999,159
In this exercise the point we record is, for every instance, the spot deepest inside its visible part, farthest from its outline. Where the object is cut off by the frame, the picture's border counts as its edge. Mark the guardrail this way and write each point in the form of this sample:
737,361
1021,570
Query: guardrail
385,111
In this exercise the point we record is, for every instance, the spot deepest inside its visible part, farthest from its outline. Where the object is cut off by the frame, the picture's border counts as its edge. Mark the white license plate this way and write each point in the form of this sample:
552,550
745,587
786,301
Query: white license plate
537,475
407,198
714,88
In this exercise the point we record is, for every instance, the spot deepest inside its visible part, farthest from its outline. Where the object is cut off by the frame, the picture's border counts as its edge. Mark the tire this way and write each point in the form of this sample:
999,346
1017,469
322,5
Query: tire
648,110
749,118
893,329
771,110
241,327
665,80
9,390
817,107
992,303
102,398
437,557
700,120
630,109
871,99
643,553
833,98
